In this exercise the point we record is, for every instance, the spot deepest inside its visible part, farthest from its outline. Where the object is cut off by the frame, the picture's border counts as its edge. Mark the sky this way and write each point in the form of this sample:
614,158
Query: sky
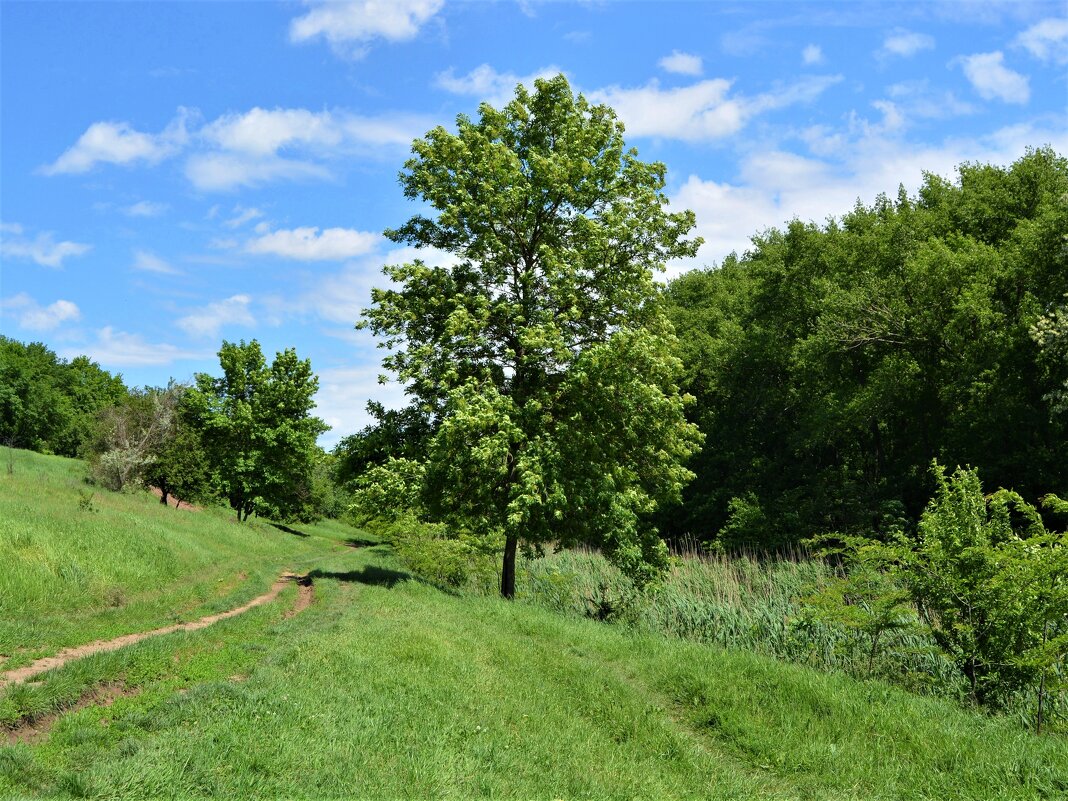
177,174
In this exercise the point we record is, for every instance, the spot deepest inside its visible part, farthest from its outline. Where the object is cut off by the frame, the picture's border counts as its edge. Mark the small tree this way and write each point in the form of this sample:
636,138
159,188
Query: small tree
990,580
257,426
542,353
131,434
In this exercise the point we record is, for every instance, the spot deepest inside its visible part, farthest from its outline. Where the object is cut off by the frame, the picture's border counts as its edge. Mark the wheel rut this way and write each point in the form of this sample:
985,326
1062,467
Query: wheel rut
303,601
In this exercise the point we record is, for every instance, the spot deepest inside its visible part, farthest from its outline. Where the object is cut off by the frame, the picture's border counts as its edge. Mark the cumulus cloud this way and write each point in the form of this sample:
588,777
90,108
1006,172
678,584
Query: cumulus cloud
264,131
42,249
350,27
682,63
118,349
32,316
812,54
904,44
308,244
119,143
990,77
1046,40
485,83
245,149
208,320
702,111
149,262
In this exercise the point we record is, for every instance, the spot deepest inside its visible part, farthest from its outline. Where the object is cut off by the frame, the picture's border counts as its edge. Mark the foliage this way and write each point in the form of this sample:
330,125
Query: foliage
863,596
180,467
539,353
993,585
396,433
131,436
1051,334
257,428
832,361
48,404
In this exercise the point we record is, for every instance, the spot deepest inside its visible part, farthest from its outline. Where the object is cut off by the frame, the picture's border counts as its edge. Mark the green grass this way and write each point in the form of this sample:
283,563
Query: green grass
73,574
388,688
732,602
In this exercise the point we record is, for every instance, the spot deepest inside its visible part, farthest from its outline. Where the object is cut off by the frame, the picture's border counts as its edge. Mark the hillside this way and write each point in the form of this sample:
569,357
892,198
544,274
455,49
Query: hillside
385,687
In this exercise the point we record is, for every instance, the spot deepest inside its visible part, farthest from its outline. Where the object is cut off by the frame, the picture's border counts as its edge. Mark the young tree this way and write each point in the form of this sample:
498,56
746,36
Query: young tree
257,426
541,353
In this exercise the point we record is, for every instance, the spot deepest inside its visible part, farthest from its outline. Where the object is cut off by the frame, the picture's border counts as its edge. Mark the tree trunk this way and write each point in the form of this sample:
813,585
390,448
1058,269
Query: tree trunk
508,568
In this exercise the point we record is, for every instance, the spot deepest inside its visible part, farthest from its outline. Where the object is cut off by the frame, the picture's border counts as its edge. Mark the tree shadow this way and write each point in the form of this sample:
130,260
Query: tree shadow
289,530
375,576
361,542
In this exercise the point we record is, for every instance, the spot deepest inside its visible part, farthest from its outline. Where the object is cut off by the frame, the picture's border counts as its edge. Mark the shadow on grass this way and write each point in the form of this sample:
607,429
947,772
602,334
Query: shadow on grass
375,576
289,530
361,542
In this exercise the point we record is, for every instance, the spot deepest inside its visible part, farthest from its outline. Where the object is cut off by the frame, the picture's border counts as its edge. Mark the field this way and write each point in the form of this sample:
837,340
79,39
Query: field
385,687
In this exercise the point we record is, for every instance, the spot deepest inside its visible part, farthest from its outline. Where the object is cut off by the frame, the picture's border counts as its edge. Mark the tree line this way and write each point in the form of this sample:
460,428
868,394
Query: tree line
246,438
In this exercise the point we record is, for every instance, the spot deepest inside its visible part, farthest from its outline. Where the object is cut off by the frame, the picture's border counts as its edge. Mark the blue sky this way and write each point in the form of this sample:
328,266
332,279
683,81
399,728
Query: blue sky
175,174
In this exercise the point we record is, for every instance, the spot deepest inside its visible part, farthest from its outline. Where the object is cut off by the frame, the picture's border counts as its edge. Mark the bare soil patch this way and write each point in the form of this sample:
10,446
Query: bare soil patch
35,729
174,503
19,675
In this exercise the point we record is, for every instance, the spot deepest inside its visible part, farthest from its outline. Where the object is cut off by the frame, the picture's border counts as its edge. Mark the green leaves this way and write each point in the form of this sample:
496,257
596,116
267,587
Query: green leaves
257,426
541,351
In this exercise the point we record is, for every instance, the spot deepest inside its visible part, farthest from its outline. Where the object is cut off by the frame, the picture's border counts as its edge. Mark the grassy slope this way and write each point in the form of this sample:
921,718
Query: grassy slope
388,688
72,575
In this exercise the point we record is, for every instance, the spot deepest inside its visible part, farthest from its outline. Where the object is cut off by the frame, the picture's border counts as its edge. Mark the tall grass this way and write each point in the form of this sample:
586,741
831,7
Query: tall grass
733,602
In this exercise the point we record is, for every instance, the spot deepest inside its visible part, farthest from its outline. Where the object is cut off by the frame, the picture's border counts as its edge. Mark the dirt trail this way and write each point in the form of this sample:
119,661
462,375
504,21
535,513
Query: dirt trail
19,675
36,729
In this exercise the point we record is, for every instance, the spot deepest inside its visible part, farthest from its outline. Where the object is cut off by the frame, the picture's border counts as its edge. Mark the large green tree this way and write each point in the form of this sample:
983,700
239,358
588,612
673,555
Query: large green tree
257,427
540,352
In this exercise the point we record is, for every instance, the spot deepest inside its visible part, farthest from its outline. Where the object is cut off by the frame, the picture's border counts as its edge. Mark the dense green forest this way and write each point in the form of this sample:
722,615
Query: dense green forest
831,363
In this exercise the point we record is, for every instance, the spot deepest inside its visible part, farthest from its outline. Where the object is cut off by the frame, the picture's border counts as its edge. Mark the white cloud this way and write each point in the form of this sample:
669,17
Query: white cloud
775,186
308,244
1046,40
33,317
145,208
221,172
42,249
682,63
207,321
990,77
701,111
117,349
903,43
119,143
485,83
342,399
242,215
263,132
812,54
248,148
149,262
918,99
350,27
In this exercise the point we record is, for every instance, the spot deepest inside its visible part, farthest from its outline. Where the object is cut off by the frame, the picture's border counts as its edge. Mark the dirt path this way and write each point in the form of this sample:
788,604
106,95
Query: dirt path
304,599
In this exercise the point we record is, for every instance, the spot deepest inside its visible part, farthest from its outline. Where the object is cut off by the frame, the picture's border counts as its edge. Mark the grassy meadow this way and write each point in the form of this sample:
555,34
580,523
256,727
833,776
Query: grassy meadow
80,563
387,687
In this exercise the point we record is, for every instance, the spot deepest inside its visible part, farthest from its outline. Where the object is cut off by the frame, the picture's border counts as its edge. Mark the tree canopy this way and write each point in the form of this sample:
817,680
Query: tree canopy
833,362
539,351
258,429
